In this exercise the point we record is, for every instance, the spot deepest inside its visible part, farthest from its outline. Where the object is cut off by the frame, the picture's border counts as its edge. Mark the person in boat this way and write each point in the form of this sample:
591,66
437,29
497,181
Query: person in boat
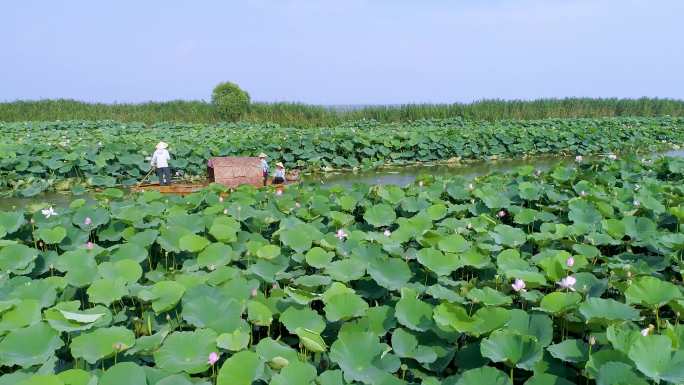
279,174
264,166
160,162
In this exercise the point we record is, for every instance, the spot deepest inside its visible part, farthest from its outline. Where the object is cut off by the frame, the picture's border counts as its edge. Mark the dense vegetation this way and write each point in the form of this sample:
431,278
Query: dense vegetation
566,277
35,157
302,115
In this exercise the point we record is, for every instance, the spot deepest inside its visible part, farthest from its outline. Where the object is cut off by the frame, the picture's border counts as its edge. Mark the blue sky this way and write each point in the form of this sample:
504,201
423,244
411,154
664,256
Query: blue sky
341,52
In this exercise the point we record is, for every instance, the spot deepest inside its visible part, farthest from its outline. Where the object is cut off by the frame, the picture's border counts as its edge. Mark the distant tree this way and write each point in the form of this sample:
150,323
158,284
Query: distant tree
230,101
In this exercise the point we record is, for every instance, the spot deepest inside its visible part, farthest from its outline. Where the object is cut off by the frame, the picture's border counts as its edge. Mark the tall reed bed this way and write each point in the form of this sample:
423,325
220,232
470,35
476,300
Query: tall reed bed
305,115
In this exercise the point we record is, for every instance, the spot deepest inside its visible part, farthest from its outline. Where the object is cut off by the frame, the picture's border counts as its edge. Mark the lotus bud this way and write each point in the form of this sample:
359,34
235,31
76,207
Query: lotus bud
420,183
275,285
570,262
119,346
87,221
51,266
225,211
583,193
90,245
211,267
578,158
636,203
254,292
645,332
33,221
213,357
501,214
592,340
220,199
298,205
470,186
387,233
168,317
612,156
469,226
40,243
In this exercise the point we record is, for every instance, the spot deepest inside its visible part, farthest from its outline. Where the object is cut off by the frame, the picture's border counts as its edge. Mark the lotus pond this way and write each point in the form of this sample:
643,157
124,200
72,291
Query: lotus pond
566,276
77,155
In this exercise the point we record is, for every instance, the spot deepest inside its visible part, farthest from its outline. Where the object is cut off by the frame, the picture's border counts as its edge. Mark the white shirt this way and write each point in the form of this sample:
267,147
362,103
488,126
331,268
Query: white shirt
160,158
264,165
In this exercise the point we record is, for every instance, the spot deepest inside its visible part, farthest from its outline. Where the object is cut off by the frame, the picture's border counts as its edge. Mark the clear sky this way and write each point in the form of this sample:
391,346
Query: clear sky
341,52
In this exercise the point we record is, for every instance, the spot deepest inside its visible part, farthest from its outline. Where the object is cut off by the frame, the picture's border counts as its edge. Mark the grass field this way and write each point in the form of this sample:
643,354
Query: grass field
304,115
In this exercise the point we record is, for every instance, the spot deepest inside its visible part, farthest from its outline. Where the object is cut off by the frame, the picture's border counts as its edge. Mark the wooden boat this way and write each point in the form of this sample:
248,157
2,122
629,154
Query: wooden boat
228,171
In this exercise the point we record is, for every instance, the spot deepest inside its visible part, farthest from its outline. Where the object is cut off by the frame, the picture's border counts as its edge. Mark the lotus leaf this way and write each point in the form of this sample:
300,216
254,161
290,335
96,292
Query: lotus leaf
186,351
29,346
102,343
240,369
514,349
651,292
123,373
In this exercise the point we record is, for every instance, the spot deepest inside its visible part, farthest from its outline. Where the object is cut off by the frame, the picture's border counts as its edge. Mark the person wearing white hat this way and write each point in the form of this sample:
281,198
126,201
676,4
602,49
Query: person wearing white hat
279,175
160,161
264,166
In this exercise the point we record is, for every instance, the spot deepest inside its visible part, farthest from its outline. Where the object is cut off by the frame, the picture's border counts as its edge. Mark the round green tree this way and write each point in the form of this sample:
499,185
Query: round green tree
230,101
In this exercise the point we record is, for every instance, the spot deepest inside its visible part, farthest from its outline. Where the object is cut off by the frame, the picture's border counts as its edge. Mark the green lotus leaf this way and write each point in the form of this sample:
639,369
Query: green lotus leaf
345,270
654,357
570,350
98,217
390,273
651,292
268,252
41,379
241,368
606,310
22,314
412,312
53,235
16,258
356,353
406,346
193,243
126,269
66,317
547,379
176,379
488,297
215,255
453,243
299,238
29,346
225,229
484,375
318,257
295,373
76,377
164,295
123,373
206,307
236,340
536,325
509,236
258,313
513,349
560,302
438,262
277,353
129,251
306,318
102,343
144,238
106,291
600,358
186,351
11,221
618,373
380,215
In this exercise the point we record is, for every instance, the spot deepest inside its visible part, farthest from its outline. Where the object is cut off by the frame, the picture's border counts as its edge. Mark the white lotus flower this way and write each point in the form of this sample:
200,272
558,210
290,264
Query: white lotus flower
49,212
568,283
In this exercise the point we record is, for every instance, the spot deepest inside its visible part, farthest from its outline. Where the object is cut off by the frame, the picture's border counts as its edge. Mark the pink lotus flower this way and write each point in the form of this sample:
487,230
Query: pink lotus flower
579,158
568,283
570,262
518,285
279,192
213,358
387,233
501,214
254,292
87,221
341,234
90,245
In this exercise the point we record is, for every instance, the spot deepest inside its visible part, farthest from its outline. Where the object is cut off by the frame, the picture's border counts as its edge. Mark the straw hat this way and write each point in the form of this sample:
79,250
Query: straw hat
280,164
162,145
262,155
